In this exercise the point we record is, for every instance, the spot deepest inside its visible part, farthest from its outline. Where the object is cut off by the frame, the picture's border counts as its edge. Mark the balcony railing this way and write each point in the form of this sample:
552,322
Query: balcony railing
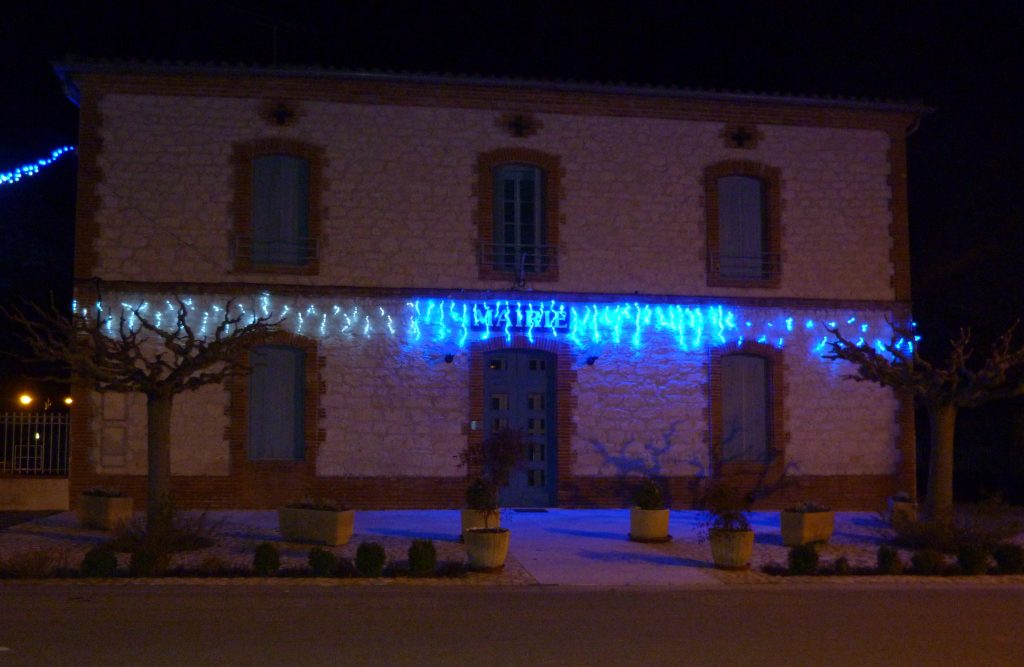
521,260
33,444
762,267
287,252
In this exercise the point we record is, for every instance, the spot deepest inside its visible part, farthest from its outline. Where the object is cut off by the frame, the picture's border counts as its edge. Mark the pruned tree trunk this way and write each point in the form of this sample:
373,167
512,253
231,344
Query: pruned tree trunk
942,422
158,497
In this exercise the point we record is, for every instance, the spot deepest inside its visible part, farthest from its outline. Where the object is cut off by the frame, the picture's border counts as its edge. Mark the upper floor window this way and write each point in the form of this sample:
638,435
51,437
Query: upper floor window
743,232
280,210
519,233
277,206
519,192
277,403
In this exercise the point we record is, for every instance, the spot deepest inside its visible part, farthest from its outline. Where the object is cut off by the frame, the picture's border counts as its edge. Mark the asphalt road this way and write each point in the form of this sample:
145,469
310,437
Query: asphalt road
301,624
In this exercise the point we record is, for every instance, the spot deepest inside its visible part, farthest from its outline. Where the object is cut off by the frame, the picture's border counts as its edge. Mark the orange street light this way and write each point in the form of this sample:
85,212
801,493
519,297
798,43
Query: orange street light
68,401
25,400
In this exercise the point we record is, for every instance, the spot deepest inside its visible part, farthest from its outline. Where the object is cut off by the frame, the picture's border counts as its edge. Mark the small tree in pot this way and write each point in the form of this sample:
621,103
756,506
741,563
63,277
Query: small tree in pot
648,518
486,542
728,529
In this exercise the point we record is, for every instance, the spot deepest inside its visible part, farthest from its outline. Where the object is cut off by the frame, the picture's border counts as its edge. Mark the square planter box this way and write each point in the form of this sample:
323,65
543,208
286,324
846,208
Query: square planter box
104,512
315,526
806,527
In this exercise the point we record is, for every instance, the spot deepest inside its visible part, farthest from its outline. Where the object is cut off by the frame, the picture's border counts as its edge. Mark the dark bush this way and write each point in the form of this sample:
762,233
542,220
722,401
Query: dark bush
148,560
841,566
266,561
889,560
803,559
422,558
99,562
928,562
972,559
184,531
322,562
482,495
345,569
949,537
1009,558
370,559
648,496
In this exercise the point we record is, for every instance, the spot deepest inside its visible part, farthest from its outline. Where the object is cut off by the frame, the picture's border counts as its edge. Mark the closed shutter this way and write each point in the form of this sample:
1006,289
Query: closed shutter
280,210
744,408
276,400
740,227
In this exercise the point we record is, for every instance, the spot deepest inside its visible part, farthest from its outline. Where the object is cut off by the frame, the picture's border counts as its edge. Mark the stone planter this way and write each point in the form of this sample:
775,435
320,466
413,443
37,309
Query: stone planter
331,527
487,548
731,549
648,525
104,512
479,519
806,527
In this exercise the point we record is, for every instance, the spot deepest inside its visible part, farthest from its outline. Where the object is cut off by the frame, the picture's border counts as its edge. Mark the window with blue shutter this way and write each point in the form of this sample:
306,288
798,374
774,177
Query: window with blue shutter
745,408
276,403
280,210
741,227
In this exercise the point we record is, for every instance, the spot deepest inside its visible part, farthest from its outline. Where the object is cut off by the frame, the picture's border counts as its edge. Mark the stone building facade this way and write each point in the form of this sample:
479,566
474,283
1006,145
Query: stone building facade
640,279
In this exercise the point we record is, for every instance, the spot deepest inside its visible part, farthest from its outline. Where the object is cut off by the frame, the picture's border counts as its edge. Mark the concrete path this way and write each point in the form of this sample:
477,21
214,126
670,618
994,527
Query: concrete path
565,547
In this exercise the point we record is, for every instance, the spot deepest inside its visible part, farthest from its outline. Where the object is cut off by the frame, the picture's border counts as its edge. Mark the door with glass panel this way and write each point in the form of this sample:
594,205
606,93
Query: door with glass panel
519,391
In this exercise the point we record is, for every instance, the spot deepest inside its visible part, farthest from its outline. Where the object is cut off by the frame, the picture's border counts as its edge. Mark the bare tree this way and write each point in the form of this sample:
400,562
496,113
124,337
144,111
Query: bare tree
941,389
128,351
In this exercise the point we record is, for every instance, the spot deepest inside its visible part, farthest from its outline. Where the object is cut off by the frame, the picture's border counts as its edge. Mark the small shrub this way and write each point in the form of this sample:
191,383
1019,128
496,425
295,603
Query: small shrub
213,566
345,569
1009,558
99,562
972,559
889,560
928,562
648,495
370,559
422,558
803,559
35,564
841,566
322,562
266,560
482,495
186,531
148,560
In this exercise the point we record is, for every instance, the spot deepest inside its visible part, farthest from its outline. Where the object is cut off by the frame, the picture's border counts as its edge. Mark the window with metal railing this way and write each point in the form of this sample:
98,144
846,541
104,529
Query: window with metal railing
33,444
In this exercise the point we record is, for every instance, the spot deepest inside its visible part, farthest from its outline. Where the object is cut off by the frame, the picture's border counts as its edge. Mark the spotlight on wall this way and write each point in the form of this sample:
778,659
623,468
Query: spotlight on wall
449,358
591,361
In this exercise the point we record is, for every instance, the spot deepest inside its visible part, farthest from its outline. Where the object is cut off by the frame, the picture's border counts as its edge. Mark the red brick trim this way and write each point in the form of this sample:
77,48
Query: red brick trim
278,482
551,166
90,144
242,155
771,179
349,291
463,95
899,228
750,476
565,402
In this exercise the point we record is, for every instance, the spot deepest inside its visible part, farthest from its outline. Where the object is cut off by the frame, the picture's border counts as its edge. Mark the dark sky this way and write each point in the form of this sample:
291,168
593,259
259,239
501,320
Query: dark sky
965,59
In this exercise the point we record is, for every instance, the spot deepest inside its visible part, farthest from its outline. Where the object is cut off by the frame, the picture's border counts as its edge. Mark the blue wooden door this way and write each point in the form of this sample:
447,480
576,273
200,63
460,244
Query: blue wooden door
519,388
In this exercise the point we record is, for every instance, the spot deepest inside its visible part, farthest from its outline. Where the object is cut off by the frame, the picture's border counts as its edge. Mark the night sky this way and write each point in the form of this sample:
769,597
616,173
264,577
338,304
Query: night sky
964,59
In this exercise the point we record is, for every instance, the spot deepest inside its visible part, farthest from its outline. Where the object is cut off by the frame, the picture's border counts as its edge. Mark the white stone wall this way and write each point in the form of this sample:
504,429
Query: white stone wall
393,407
399,209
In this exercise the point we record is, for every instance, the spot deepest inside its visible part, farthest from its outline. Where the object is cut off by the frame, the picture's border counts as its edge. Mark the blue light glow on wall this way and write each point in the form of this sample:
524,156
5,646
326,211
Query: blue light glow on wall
459,323
33,168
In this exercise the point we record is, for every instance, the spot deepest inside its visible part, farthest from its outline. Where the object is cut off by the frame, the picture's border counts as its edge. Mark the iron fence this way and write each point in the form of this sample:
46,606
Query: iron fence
33,443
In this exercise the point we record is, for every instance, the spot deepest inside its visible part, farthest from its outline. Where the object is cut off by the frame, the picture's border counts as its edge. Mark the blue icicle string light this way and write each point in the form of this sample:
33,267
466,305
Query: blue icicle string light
33,168
456,322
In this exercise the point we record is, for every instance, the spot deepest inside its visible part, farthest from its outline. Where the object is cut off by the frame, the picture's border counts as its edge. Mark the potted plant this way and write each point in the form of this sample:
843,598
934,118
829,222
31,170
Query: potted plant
104,508
806,523
728,529
487,543
319,521
648,518
901,508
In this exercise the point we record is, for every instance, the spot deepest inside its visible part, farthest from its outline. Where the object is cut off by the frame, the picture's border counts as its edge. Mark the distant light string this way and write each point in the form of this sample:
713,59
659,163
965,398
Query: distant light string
33,168
458,322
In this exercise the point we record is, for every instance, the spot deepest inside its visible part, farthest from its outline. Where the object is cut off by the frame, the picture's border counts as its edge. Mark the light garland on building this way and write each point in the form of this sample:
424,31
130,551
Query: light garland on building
457,322
33,168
